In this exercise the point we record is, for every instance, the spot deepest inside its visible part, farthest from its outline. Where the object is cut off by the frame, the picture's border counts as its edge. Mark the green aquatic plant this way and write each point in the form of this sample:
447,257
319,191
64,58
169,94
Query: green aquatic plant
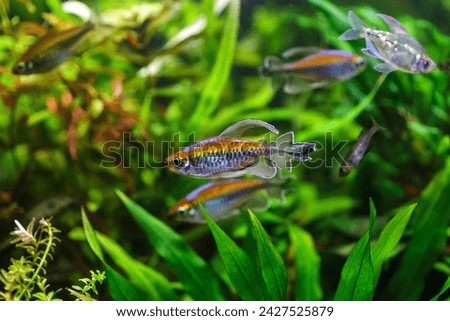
82,293
25,278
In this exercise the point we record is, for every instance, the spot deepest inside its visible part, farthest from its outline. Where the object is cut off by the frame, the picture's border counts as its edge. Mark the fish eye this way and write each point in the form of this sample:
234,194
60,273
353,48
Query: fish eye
360,61
425,64
179,162
184,212
21,68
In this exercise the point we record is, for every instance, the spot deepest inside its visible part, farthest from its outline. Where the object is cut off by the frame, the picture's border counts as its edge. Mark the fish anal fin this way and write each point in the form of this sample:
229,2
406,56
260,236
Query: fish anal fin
239,128
264,169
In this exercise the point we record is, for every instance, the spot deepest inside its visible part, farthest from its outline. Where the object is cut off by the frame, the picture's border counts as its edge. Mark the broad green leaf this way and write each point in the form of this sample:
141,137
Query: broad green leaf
445,287
389,238
241,270
121,289
307,264
155,284
220,73
91,237
190,268
429,222
357,277
271,265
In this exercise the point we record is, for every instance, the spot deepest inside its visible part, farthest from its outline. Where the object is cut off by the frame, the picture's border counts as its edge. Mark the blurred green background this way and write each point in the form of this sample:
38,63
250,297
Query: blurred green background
54,126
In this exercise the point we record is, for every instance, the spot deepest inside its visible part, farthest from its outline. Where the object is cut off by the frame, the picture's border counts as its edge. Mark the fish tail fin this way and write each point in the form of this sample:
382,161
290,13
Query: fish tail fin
284,151
358,28
273,68
271,64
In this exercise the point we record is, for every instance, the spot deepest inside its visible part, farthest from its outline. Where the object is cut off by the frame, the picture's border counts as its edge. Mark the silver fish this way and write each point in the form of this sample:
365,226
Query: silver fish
396,48
358,150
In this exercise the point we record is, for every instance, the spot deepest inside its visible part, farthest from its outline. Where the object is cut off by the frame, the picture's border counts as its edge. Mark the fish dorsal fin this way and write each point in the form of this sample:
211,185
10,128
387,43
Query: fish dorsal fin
394,25
238,129
300,51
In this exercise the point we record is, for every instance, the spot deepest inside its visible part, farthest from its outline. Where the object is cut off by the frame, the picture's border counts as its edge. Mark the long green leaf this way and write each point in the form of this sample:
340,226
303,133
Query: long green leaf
91,237
444,289
429,222
238,265
220,73
357,277
271,265
307,263
389,238
120,288
155,284
190,268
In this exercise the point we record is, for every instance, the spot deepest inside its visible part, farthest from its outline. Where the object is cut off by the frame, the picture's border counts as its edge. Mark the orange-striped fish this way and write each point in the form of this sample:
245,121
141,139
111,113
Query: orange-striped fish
51,50
318,69
227,155
225,198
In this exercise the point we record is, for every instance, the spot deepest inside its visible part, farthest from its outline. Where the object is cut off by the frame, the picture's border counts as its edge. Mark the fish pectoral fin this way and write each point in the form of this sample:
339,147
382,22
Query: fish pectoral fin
371,50
384,67
300,51
238,129
394,25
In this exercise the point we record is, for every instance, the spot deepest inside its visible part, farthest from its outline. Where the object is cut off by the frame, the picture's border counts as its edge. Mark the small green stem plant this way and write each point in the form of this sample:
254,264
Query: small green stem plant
26,278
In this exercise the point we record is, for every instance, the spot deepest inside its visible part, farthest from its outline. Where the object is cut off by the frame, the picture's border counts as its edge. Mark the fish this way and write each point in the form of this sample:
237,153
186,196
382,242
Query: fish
397,49
52,49
318,69
222,198
358,150
229,156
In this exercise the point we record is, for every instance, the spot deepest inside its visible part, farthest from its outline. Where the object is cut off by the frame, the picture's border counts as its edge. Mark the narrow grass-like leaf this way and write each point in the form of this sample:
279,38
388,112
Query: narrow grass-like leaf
190,268
357,277
445,287
91,237
389,238
155,284
220,73
241,270
272,267
120,288
431,219
307,264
